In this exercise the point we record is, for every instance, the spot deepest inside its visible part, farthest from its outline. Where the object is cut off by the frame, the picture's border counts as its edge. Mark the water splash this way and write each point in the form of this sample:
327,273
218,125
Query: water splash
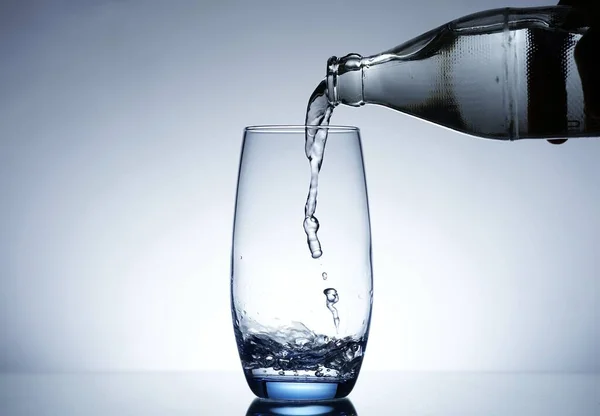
297,351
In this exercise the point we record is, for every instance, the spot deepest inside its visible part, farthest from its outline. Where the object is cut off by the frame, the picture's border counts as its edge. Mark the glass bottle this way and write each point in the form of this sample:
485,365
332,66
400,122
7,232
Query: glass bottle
504,74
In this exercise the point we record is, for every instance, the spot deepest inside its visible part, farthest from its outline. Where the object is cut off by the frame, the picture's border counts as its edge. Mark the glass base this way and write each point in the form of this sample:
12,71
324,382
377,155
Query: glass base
291,390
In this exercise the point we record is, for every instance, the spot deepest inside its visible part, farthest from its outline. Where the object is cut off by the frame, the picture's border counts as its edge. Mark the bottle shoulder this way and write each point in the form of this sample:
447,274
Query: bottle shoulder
559,18
552,18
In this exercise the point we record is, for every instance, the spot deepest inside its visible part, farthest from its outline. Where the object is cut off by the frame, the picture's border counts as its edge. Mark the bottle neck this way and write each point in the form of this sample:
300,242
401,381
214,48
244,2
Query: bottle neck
345,80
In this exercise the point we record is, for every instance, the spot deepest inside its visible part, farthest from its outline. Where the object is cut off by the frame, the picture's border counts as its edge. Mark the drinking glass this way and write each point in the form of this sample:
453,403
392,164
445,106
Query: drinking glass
301,323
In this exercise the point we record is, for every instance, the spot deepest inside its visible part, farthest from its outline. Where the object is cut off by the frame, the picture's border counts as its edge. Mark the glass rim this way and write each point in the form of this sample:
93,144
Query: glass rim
298,128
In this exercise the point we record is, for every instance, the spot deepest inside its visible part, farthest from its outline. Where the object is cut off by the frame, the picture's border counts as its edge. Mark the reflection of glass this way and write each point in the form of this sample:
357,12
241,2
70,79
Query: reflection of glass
301,323
339,407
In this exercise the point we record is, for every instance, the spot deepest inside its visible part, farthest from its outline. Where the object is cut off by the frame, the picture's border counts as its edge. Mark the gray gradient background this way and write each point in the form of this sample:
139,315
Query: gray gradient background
120,132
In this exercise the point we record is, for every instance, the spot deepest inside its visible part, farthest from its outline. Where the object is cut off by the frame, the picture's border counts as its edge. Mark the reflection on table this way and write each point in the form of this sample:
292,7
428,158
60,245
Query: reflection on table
340,407
226,393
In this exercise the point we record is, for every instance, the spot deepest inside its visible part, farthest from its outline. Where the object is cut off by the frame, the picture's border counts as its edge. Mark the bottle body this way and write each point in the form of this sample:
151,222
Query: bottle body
504,74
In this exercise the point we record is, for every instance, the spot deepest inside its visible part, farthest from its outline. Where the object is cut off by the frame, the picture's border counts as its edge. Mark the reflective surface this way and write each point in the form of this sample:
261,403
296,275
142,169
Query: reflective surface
226,393
265,407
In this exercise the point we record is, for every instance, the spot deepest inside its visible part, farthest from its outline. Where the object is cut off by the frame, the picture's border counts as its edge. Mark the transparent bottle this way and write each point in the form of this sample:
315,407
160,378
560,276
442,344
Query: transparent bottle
502,74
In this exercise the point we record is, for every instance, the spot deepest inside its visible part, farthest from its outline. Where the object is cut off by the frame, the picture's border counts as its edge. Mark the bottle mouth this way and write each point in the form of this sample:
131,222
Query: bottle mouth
345,78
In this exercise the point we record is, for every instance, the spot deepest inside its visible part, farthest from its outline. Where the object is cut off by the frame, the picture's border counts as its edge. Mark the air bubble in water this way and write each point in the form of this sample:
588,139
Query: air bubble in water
324,275
321,340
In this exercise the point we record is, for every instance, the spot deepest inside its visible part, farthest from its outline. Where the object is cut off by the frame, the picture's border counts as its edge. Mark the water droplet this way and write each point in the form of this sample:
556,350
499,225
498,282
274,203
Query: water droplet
331,294
241,257
311,226
282,373
324,275
332,298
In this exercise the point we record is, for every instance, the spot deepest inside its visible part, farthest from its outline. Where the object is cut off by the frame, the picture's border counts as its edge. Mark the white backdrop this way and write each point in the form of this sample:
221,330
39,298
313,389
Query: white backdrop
120,132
